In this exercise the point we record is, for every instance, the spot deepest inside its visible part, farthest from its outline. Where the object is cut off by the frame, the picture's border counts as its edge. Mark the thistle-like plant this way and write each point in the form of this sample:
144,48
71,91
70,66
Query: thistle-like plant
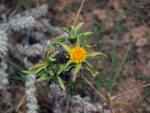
64,66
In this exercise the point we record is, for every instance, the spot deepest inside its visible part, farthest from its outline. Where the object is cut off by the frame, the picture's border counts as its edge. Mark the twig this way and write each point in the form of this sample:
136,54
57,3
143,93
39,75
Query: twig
94,89
21,102
8,111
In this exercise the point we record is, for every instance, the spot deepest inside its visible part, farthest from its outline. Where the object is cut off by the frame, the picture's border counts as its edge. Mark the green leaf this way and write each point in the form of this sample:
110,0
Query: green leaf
78,82
29,72
83,40
87,45
55,46
90,68
22,76
73,32
52,59
66,30
87,63
45,65
67,48
74,84
79,26
92,54
59,39
52,72
94,73
42,75
71,65
72,40
47,54
48,75
36,66
78,67
62,67
39,69
78,41
48,83
85,34
56,68
74,90
68,63
60,82
42,79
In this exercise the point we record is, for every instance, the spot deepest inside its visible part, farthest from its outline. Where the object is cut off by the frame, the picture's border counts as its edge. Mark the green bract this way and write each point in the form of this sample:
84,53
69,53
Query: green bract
55,67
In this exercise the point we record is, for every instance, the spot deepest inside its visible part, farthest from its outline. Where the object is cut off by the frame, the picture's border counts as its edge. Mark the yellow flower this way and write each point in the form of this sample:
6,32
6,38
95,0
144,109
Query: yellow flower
78,54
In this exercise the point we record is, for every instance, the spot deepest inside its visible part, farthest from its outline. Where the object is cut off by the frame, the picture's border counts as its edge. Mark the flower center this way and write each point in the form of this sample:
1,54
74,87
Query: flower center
78,54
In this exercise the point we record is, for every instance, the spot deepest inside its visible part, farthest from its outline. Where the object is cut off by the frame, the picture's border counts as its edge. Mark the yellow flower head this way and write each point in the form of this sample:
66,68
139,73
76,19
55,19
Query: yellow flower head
78,54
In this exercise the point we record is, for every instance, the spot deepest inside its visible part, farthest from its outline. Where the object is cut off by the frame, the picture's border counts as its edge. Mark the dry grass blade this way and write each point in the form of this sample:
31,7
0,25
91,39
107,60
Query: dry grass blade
74,23
130,91
121,103
94,89
109,103
21,102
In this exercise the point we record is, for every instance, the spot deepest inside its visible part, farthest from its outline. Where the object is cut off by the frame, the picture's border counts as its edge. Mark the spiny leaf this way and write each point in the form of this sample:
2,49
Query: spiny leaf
42,75
72,40
52,72
59,39
92,54
79,26
68,63
71,65
55,46
85,34
78,67
90,68
61,68
66,30
41,62
36,66
45,65
47,53
67,48
52,59
87,63
83,40
73,32
61,83
39,69
42,79
29,72
94,73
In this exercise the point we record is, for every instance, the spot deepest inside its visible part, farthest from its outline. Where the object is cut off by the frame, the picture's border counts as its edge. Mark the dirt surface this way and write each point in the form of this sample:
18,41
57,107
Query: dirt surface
101,17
